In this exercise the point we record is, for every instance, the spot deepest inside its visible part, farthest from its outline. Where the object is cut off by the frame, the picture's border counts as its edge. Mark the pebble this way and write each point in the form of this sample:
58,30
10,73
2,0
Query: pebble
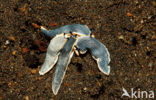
69,89
135,55
29,9
7,42
85,88
131,20
138,79
149,17
126,78
26,97
121,37
150,65
14,52
142,21
33,71
136,1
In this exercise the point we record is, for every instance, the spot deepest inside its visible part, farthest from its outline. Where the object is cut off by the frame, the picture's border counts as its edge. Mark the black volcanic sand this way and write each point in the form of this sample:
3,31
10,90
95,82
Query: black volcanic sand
126,27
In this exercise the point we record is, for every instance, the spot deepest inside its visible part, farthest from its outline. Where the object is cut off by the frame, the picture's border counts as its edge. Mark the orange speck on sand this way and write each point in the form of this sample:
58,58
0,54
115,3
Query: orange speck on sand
35,25
52,24
12,38
26,97
1,98
129,14
33,71
41,45
38,78
9,84
67,84
20,74
23,9
25,50
14,52
153,37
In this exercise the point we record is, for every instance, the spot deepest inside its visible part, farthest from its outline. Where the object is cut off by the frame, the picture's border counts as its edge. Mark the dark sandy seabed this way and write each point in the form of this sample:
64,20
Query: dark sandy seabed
126,27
